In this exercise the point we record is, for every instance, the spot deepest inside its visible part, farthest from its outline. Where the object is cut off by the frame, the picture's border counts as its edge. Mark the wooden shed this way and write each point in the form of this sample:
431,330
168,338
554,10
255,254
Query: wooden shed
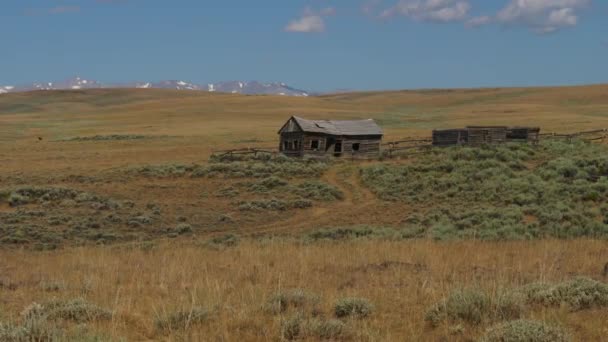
348,138
480,135
523,134
446,137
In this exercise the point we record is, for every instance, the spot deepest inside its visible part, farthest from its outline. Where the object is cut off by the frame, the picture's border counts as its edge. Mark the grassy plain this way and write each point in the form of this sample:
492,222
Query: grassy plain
108,196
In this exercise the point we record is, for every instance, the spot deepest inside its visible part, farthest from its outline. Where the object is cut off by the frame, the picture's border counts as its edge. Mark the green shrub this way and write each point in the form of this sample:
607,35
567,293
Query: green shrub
356,232
296,326
468,305
579,293
267,184
274,204
353,307
228,192
183,228
77,310
502,192
291,327
182,319
227,240
525,330
292,299
330,329
319,191
31,330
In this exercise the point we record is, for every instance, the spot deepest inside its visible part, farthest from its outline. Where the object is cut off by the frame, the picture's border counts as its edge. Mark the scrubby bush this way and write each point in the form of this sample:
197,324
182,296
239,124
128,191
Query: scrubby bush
227,240
509,191
291,327
298,327
182,319
228,192
319,191
292,299
355,232
469,305
274,204
267,184
31,330
525,330
183,228
165,170
77,310
579,293
353,307
475,306
243,167
330,329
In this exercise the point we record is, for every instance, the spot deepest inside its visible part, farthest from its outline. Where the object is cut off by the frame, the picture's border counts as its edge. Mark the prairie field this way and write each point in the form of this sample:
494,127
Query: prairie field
118,224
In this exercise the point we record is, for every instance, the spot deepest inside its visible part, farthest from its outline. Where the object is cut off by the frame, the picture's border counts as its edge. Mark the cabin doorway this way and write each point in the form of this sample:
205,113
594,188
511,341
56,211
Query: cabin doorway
338,148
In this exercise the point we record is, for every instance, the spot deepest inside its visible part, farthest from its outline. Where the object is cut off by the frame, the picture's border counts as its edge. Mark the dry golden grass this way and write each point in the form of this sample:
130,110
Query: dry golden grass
401,279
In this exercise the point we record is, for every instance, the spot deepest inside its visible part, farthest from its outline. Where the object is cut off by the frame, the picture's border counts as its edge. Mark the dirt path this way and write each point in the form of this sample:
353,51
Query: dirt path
357,202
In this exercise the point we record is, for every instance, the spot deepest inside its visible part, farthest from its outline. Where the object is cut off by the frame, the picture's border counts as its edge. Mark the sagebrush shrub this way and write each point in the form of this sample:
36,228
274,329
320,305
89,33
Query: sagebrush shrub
353,307
579,293
292,299
525,330
470,305
77,310
182,319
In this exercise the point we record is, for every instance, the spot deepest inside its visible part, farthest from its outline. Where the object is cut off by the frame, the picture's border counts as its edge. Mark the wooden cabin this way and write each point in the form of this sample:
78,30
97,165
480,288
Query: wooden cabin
338,138
485,135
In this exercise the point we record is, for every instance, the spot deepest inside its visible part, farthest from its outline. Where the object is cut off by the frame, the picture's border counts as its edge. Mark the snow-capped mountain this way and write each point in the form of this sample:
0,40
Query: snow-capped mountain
234,87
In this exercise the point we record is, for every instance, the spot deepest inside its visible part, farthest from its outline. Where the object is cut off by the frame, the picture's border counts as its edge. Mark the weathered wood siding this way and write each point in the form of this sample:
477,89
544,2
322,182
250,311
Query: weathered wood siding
308,141
294,142
486,135
447,137
369,146
526,134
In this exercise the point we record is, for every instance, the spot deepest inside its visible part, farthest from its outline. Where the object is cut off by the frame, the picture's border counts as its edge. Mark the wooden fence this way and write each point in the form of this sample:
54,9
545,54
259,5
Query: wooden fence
414,146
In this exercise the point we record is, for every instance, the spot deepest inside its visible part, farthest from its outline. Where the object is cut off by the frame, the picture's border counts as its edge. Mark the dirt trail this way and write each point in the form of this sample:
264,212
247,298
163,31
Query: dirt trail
356,202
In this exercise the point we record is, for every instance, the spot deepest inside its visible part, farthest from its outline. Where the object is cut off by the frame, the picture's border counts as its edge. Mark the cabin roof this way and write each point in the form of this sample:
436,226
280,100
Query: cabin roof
339,127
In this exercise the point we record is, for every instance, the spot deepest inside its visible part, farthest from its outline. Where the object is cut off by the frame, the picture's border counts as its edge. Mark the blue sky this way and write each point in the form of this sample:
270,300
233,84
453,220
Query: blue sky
309,44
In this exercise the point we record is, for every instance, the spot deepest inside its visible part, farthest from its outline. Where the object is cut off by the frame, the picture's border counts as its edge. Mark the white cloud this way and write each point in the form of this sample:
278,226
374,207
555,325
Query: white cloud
310,21
430,10
542,16
478,21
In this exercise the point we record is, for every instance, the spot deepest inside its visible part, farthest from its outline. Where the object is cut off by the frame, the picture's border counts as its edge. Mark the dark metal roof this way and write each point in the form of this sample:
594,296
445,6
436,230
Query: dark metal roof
339,127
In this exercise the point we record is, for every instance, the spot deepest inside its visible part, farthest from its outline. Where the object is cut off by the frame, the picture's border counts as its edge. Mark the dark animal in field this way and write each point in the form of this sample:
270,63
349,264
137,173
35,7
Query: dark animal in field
39,138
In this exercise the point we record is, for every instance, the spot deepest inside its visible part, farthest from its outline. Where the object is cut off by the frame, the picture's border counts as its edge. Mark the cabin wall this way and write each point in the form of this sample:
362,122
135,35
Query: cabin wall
313,144
291,144
367,147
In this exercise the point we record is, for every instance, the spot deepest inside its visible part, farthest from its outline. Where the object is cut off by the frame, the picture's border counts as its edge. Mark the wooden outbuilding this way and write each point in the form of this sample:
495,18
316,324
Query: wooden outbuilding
485,135
338,138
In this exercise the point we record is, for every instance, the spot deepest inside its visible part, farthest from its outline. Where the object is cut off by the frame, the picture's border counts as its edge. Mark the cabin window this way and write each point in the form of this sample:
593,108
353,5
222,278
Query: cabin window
314,144
356,146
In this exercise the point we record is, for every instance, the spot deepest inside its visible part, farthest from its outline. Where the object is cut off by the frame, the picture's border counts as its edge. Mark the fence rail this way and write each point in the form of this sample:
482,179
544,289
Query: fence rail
415,146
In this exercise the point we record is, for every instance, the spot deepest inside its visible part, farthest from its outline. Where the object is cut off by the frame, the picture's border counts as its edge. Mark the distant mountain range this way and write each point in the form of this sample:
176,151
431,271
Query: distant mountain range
234,87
